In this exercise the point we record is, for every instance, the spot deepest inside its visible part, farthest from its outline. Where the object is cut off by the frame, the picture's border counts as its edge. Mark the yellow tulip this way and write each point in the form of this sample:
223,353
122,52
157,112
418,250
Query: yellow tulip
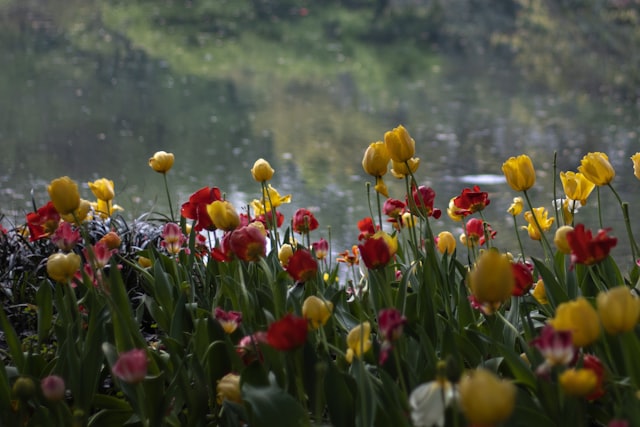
579,317
285,253
376,159
446,243
576,186
400,169
560,239
486,400
636,164
516,207
597,169
358,341
543,220
103,189
491,280
540,293
452,209
228,388
391,241
144,262
272,199
578,382
64,194
105,209
223,215
79,215
262,170
161,161
619,310
519,172
409,220
317,311
400,145
62,267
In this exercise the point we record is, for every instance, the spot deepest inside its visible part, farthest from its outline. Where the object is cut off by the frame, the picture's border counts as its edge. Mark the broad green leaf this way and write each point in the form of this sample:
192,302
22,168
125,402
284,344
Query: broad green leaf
265,406
11,338
44,301
556,293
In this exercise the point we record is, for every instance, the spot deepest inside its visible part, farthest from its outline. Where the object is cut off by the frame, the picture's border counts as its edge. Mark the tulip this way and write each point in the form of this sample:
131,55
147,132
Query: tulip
79,215
560,239
144,262
591,362
636,164
470,201
390,324
491,280
103,189
400,145
555,346
317,311
302,266
376,159
519,172
62,267
597,169
578,382
516,207
579,317
320,248
576,186
43,222
288,333
64,195
131,366
377,250
304,221
429,401
358,341
23,388
540,293
541,219
161,161
196,207
619,310
453,211
229,320
522,274
223,215
111,240
248,243
446,243
586,249
262,170
271,199
402,169
53,388
485,399
228,388
285,253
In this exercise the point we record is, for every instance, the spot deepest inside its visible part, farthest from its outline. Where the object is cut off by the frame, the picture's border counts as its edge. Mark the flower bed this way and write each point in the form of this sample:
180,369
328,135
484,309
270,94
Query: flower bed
210,316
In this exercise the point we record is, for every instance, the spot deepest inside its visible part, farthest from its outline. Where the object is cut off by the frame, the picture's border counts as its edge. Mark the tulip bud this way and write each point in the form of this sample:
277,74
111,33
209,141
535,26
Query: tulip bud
492,280
376,159
53,388
223,215
485,399
131,366
64,194
103,189
262,170
317,311
579,317
597,169
519,172
161,161
619,310
636,164
446,243
62,267
400,145
578,382
228,388
285,253
358,341
560,239
24,388
111,240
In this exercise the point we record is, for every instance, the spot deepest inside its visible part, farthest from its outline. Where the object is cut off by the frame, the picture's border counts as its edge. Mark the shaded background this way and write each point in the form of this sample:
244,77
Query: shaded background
92,89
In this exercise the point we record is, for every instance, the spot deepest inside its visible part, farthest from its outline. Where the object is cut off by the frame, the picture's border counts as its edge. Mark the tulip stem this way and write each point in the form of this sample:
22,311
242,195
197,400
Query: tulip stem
555,185
166,188
515,227
599,207
625,213
545,242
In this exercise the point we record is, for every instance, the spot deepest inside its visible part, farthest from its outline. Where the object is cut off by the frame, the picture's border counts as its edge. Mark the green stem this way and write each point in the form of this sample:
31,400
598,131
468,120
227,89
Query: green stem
515,227
545,242
166,188
627,222
599,206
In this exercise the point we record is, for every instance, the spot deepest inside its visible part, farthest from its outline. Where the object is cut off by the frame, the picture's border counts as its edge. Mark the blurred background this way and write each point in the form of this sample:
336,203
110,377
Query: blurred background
93,88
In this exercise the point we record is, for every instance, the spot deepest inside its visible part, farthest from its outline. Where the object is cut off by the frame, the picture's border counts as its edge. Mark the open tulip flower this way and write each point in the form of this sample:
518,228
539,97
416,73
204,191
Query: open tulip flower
228,317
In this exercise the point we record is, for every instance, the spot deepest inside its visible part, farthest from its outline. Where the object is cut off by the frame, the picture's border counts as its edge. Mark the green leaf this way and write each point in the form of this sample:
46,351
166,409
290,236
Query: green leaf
15,349
44,301
365,398
521,371
265,407
556,293
110,418
104,401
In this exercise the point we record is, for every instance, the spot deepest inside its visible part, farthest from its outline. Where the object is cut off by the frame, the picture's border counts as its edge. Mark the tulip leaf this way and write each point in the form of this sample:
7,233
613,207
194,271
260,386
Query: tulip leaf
554,290
365,398
11,338
108,418
44,300
265,406
520,370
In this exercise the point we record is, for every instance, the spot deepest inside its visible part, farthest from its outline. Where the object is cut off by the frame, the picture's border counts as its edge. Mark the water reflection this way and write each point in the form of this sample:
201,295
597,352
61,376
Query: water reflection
106,115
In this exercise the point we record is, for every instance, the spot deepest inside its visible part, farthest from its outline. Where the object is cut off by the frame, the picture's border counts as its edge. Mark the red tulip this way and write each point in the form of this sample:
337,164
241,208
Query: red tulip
287,333
196,207
586,249
302,266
